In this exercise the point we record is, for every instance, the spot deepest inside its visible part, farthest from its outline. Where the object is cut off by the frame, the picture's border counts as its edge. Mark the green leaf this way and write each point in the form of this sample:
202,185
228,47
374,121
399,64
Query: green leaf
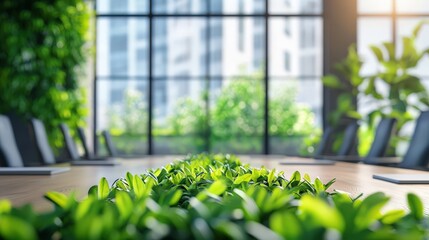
175,198
5,206
318,185
307,177
377,52
296,176
318,213
332,81
393,216
271,177
124,204
58,199
255,175
416,206
103,188
218,188
287,225
369,210
243,178
139,188
15,228
390,48
419,27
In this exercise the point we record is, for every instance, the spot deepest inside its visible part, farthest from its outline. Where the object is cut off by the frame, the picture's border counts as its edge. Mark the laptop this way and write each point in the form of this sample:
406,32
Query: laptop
32,170
403,178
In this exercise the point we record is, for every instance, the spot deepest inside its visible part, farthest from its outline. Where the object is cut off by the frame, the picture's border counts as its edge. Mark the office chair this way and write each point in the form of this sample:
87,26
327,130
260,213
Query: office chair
70,145
71,149
382,138
87,153
349,139
8,147
378,147
111,149
42,143
323,145
417,155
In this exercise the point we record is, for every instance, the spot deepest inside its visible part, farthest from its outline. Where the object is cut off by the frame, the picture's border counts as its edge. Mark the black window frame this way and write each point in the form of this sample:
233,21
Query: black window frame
151,15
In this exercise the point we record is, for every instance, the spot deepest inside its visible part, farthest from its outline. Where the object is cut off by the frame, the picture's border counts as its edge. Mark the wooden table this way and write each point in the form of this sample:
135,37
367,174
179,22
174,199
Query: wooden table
352,178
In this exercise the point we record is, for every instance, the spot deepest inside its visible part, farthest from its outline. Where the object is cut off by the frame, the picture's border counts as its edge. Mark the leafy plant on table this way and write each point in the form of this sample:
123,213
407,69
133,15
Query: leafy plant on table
214,197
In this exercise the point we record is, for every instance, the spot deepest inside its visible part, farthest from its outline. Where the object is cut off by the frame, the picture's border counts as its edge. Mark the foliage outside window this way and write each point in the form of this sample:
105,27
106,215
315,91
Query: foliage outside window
41,52
236,113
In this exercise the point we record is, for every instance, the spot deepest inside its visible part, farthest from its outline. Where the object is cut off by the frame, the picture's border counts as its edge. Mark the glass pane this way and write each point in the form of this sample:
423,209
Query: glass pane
412,6
122,6
179,47
122,47
179,6
374,6
237,46
295,47
236,115
295,115
237,6
122,108
405,28
372,30
295,6
179,116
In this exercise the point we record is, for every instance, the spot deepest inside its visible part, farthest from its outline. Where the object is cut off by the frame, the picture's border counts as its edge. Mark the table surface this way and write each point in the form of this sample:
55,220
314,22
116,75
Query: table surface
350,177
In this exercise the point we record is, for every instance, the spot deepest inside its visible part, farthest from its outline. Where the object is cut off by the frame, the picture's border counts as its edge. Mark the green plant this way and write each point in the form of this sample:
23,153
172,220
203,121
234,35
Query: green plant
394,75
41,51
214,197
402,84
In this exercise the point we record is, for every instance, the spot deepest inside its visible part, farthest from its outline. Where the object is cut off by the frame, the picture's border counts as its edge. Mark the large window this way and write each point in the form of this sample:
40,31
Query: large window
187,76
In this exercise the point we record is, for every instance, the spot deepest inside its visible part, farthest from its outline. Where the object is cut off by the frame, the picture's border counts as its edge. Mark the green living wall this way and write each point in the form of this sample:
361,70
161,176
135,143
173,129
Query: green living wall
41,53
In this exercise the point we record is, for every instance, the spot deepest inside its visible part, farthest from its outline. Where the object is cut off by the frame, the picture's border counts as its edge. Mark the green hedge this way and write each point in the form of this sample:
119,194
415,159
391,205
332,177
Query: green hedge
42,52
214,197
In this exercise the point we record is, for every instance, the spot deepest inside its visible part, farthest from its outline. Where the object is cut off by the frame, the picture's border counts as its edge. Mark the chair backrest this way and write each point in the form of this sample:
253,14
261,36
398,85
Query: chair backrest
87,153
349,139
42,143
8,147
382,137
417,154
111,149
321,148
70,145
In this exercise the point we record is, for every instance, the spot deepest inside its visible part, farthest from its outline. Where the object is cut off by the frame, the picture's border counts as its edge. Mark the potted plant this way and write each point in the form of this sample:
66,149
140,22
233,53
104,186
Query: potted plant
404,91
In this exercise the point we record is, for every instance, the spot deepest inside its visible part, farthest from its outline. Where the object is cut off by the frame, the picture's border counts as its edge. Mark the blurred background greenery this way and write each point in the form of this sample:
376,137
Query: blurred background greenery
42,51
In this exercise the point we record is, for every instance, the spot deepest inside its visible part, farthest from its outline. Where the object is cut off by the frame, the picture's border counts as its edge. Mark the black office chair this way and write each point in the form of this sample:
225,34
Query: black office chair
417,155
87,152
323,145
70,145
381,140
111,149
42,143
8,148
71,149
349,139
348,144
